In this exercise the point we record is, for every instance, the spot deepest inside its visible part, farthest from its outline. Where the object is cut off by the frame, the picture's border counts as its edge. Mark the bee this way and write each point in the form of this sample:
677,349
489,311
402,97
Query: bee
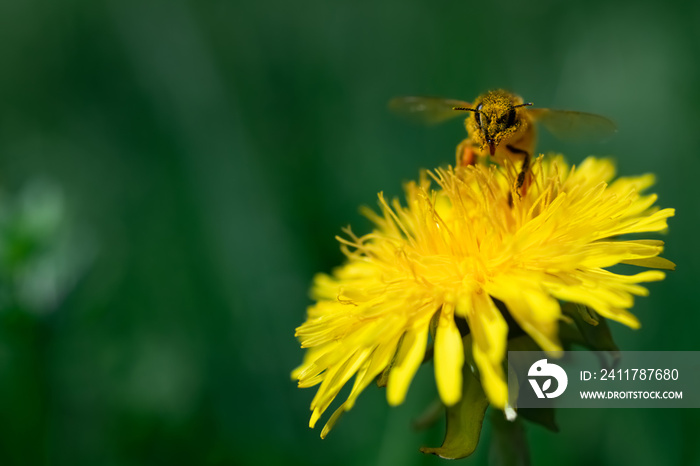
500,124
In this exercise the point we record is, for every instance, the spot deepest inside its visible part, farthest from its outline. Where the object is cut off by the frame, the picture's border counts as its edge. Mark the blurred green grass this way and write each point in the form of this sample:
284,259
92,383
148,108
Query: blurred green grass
214,149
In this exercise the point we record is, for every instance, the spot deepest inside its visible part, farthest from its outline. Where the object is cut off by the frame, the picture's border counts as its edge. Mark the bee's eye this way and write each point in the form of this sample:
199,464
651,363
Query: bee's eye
477,115
511,117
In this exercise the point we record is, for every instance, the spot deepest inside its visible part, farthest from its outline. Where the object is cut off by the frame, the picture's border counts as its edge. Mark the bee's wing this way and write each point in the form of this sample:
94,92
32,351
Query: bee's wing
426,110
574,126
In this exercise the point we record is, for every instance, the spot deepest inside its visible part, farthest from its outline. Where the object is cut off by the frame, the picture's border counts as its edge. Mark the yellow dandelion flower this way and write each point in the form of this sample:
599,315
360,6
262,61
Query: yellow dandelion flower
458,251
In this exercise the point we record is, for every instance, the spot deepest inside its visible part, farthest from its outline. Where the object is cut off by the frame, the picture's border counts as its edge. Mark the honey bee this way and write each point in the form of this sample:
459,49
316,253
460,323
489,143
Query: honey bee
500,124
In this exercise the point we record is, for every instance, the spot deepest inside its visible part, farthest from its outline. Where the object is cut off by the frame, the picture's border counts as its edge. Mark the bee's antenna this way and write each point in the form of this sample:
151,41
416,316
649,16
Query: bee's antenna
526,104
465,109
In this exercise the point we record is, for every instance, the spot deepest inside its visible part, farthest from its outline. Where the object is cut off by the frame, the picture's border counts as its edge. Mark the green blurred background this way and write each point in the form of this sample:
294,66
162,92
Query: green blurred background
173,173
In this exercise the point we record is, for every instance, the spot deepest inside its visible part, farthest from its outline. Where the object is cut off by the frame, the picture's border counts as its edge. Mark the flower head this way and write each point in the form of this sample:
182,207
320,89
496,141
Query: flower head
467,248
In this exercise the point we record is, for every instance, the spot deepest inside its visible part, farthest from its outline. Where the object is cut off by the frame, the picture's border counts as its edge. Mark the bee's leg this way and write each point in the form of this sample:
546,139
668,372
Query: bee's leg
467,153
520,184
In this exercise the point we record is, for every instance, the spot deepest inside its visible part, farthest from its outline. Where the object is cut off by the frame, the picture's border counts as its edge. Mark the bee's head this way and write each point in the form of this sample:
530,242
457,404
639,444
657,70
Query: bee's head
496,116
